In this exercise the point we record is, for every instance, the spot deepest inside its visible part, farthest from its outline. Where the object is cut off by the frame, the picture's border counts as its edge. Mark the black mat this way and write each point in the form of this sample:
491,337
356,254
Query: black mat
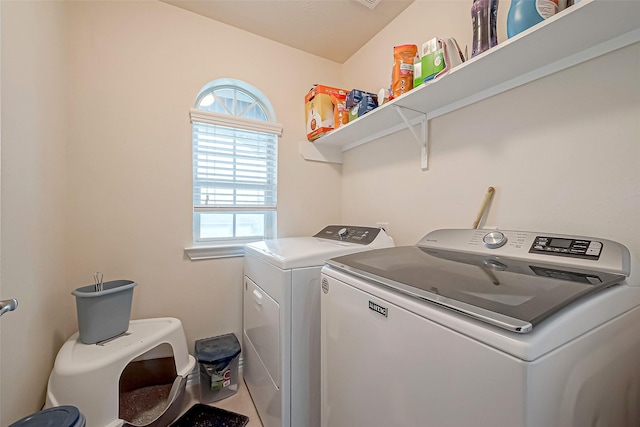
200,415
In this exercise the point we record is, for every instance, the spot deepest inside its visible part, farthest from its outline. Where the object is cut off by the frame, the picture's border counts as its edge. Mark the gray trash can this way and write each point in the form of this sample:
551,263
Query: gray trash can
218,365
103,314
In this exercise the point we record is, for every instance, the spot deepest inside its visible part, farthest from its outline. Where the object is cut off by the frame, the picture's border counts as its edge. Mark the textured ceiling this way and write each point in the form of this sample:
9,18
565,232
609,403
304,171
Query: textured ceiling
332,29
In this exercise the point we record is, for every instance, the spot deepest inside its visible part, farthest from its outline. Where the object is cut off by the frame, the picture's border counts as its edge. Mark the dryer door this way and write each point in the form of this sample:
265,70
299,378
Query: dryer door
261,327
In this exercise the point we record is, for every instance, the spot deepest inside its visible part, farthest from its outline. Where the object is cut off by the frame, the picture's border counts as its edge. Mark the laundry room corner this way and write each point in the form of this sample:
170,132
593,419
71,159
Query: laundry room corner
147,82
533,143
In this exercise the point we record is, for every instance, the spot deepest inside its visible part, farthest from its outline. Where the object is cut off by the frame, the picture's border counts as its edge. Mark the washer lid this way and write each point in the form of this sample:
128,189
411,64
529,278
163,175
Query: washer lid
509,293
59,416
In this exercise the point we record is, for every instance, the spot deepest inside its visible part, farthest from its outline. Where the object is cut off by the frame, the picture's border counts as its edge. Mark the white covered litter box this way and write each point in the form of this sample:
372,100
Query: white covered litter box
146,368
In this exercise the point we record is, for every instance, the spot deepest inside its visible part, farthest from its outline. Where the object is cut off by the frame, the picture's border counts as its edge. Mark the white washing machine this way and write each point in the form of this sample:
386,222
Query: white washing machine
281,319
482,328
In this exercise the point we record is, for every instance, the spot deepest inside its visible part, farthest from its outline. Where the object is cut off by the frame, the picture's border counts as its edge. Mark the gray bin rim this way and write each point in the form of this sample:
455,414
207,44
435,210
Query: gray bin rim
110,287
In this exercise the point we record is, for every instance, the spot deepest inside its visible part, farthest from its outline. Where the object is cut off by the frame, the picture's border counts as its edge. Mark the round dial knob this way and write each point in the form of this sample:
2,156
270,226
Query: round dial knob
494,240
342,233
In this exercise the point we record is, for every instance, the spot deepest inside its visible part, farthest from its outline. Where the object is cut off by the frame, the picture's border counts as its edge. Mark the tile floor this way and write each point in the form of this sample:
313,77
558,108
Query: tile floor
240,403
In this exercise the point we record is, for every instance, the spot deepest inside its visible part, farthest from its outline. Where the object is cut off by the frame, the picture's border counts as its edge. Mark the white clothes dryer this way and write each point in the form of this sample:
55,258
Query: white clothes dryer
281,319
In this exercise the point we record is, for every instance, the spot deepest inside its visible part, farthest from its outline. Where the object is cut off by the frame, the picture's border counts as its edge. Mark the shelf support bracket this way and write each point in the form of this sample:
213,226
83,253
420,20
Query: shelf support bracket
422,137
315,152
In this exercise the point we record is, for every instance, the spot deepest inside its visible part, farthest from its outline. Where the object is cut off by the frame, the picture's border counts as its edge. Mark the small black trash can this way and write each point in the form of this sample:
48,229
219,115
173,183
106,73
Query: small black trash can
218,364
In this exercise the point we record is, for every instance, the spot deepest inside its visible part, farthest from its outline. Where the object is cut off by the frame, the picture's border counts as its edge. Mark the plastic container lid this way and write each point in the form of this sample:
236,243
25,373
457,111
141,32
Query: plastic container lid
217,349
59,416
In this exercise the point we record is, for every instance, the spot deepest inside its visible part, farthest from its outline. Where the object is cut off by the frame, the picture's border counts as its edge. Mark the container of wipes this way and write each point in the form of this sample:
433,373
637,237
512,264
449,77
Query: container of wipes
402,75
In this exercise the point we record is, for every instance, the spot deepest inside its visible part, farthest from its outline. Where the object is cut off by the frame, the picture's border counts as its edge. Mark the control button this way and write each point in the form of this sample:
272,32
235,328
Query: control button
342,233
494,240
594,249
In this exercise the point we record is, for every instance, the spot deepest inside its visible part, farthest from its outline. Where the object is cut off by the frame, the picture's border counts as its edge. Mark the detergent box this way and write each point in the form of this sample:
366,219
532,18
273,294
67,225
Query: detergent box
360,102
325,110
431,62
438,56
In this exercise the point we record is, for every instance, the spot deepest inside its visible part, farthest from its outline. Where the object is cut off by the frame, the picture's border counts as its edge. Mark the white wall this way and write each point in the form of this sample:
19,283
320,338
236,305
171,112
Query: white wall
135,70
96,168
34,91
562,153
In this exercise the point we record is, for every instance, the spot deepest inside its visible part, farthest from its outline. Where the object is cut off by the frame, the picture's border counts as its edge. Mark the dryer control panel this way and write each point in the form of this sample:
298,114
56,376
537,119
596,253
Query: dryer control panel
351,234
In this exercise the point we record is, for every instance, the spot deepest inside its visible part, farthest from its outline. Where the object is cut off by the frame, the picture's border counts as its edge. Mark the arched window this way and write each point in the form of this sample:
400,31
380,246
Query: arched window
235,147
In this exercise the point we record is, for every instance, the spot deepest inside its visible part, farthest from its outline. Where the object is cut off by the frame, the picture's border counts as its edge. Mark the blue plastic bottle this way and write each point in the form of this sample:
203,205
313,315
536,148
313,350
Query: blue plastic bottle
524,14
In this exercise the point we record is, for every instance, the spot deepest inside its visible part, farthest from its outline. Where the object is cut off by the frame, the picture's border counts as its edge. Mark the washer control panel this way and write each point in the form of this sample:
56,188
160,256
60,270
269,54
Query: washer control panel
550,248
578,248
350,234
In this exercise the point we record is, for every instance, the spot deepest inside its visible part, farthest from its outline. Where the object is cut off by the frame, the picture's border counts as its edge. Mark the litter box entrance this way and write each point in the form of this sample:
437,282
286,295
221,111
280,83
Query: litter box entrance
149,385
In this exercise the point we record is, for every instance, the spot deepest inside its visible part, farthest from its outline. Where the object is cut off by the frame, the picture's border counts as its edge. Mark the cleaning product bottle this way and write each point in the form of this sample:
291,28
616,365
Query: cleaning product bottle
527,13
484,14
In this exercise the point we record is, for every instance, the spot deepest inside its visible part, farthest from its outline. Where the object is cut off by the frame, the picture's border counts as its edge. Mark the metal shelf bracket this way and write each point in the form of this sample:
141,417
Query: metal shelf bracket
421,136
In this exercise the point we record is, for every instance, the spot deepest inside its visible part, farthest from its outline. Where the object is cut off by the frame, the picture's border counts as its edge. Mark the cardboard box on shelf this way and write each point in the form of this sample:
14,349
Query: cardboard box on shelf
360,102
325,110
431,62
438,57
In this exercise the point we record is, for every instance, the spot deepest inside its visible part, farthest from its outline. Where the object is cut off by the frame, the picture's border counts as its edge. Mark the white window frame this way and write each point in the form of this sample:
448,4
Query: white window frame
229,122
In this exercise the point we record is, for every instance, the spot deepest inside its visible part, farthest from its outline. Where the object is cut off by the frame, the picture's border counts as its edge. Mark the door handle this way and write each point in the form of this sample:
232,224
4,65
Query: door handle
257,297
8,305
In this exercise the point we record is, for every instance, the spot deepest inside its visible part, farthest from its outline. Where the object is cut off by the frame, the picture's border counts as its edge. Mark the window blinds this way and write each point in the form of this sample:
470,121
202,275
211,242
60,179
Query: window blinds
234,163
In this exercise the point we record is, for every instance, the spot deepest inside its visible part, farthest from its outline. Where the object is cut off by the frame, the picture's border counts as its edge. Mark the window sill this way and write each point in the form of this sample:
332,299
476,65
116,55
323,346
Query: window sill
200,252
